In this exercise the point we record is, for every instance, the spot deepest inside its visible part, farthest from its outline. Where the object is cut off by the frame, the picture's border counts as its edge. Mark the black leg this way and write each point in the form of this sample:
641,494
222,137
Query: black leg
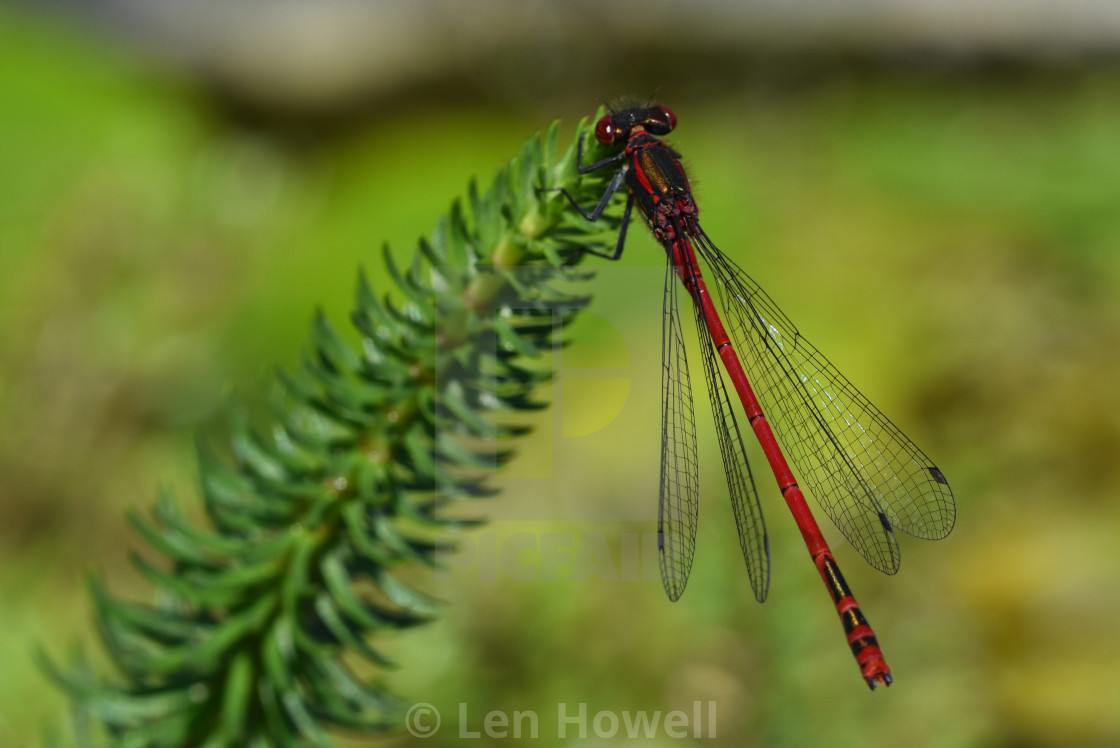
587,169
597,211
621,234
616,182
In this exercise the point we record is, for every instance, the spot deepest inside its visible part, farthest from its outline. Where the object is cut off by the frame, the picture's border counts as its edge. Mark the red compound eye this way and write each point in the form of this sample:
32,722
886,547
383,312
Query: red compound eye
661,120
606,132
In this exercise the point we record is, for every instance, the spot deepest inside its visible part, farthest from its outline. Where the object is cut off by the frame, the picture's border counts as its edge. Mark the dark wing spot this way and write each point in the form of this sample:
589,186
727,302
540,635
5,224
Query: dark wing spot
886,523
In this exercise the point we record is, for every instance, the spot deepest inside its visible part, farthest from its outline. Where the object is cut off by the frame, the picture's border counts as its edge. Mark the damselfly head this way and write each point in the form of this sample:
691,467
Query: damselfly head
613,129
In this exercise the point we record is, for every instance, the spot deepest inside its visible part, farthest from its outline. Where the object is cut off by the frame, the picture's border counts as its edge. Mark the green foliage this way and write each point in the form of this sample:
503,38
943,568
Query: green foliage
262,626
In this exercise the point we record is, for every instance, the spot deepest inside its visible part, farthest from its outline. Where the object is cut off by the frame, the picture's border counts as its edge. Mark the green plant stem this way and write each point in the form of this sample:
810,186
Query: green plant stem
259,613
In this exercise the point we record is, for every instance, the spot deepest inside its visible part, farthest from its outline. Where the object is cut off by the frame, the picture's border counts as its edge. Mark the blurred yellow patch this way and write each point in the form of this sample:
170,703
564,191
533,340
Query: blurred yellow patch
593,377
590,404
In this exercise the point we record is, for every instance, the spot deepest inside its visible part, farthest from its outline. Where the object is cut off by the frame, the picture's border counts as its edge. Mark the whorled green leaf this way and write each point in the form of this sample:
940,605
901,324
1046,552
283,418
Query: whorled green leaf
309,517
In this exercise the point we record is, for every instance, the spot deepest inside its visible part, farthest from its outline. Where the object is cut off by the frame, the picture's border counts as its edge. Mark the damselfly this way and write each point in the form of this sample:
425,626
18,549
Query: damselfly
869,478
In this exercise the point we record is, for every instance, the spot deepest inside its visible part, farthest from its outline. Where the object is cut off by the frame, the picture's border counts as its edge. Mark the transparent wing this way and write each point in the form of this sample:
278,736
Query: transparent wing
740,483
678,506
866,474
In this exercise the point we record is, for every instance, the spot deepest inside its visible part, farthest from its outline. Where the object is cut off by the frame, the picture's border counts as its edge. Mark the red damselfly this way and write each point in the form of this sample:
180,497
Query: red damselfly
869,478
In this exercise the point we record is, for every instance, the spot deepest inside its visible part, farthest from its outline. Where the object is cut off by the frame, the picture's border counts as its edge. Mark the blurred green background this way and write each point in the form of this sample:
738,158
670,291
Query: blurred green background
945,228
